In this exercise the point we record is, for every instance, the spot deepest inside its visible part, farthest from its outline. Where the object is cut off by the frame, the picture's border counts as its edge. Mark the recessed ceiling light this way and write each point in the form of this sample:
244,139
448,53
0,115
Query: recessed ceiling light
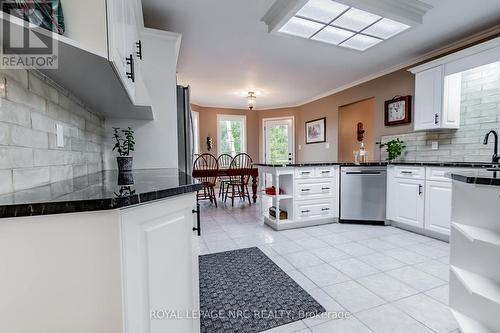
301,28
341,23
361,42
332,35
322,10
386,28
356,20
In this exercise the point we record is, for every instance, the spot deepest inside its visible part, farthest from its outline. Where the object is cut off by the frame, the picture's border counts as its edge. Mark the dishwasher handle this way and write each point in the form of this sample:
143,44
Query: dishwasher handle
363,172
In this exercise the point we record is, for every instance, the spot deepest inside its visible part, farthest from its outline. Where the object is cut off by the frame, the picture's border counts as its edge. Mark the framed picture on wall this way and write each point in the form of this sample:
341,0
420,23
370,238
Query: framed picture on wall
398,111
316,131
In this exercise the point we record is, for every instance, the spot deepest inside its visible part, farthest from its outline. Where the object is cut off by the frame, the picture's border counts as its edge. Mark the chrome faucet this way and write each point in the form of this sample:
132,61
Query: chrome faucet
495,158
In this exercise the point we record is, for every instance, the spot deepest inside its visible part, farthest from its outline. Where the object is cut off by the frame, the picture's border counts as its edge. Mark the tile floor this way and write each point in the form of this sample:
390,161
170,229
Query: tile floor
389,279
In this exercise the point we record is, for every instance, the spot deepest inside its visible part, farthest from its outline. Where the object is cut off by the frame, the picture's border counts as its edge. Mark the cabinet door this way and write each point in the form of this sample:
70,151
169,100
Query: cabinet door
409,202
120,20
428,98
158,265
438,207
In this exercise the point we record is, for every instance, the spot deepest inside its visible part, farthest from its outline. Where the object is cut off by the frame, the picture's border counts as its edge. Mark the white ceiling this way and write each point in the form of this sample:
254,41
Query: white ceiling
226,50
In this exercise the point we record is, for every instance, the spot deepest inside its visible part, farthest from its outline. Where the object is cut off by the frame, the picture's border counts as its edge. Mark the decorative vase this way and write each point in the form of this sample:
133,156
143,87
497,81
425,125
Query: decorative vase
124,163
125,178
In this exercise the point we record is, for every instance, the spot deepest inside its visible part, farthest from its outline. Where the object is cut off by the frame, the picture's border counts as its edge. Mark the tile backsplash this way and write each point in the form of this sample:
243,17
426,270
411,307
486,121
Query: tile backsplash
480,113
30,107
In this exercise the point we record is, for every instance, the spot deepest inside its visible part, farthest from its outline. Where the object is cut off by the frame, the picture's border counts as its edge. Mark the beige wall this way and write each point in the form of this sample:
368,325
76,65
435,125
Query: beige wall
349,117
381,89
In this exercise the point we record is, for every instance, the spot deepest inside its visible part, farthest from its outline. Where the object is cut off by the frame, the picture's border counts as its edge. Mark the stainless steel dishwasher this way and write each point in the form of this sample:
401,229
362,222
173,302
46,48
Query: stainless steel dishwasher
363,193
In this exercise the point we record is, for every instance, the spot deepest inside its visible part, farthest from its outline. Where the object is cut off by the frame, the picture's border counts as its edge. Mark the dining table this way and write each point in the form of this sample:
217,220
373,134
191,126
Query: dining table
253,173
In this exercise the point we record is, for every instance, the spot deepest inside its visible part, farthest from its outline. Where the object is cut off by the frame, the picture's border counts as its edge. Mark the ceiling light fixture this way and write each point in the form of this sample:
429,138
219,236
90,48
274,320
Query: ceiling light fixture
251,98
354,24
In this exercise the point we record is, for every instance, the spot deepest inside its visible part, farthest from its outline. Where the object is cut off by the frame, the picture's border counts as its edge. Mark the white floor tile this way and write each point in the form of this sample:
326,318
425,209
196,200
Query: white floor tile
311,243
287,247
329,254
333,309
324,275
288,328
435,268
303,259
355,249
354,268
440,294
387,287
429,312
302,280
416,279
351,325
382,261
406,256
389,319
353,296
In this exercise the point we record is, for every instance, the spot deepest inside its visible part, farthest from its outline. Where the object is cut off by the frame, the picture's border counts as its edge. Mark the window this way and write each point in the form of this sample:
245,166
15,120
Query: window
231,134
196,132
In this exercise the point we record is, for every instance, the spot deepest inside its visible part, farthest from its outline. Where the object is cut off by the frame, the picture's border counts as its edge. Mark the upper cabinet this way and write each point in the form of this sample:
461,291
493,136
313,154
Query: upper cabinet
439,85
99,57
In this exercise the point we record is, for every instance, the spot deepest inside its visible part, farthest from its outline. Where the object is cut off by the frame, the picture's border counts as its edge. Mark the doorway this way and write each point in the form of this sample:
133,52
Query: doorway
279,140
356,125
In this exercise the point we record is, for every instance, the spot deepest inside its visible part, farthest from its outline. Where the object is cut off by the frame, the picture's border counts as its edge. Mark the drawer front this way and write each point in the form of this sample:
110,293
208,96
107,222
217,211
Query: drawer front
302,173
438,174
325,172
410,172
316,209
314,189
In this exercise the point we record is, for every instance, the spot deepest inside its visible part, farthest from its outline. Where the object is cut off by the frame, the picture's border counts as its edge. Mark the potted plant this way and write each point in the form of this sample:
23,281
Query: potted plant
124,145
395,148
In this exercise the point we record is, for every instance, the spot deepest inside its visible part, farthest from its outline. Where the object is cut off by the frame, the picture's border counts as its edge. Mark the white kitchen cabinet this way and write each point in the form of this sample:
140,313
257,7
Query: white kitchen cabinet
409,202
438,206
437,99
159,265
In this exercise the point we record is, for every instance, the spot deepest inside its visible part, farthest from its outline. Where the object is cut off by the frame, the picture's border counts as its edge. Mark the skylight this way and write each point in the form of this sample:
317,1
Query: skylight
337,24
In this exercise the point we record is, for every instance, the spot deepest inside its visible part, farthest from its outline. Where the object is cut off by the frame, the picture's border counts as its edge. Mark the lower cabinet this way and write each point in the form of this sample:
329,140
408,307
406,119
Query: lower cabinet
160,266
438,206
409,204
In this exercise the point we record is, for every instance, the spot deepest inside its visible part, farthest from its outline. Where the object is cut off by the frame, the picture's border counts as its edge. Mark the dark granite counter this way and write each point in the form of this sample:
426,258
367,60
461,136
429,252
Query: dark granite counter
99,191
480,177
350,164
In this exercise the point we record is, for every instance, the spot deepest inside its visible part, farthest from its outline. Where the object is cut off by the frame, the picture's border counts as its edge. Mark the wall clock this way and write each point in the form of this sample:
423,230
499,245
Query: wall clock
398,111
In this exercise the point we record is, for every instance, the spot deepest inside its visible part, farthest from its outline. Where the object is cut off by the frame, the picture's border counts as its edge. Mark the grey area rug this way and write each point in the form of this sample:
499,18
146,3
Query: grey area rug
245,291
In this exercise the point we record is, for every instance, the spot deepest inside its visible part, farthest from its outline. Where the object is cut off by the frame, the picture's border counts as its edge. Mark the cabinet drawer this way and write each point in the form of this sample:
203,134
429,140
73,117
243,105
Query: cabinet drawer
410,172
316,209
325,172
438,174
305,173
314,189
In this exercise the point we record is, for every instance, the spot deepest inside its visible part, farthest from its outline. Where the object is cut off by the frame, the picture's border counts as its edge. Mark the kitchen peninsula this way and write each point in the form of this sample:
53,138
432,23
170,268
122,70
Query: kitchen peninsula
416,195
104,249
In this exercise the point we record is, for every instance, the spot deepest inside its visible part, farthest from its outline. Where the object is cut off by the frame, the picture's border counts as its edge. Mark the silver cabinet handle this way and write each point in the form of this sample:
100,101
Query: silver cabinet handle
436,119
305,172
420,189
305,189
306,211
325,188
325,209
407,172
323,172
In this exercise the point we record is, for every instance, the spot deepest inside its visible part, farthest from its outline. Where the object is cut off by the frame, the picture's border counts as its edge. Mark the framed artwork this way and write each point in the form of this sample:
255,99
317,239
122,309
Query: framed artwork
398,111
316,131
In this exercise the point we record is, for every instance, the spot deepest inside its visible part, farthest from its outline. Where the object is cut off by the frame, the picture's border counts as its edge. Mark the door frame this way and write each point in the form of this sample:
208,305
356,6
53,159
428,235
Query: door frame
263,146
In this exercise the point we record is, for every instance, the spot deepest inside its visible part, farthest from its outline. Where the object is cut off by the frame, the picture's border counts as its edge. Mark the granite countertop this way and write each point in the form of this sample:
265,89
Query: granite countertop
480,177
99,191
350,164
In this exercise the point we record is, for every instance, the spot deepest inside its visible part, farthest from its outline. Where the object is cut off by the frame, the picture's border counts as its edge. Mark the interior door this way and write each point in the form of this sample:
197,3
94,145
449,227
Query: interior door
279,141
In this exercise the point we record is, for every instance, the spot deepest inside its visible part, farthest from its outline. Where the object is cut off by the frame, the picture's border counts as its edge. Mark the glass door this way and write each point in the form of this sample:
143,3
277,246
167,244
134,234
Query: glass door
279,141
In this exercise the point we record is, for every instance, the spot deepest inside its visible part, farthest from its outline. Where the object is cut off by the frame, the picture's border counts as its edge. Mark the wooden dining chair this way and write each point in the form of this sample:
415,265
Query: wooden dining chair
207,162
224,161
239,184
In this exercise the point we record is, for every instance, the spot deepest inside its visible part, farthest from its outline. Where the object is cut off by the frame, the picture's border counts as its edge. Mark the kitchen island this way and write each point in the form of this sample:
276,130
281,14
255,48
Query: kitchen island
99,253
475,251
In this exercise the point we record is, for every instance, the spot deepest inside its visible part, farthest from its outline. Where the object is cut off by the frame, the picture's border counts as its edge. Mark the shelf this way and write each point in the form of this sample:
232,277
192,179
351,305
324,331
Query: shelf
478,285
279,197
469,325
87,74
480,235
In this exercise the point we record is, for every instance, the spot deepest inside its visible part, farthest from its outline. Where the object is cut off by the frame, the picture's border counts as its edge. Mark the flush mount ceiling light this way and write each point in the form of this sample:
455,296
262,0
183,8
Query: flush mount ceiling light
251,98
354,24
